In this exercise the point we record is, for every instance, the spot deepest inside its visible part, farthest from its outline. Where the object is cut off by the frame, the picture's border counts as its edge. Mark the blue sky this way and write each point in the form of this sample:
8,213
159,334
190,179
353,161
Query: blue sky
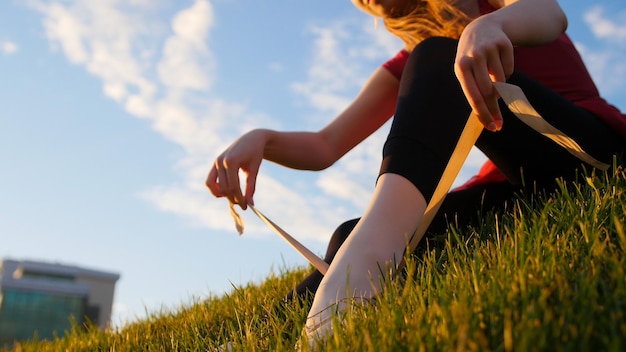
111,113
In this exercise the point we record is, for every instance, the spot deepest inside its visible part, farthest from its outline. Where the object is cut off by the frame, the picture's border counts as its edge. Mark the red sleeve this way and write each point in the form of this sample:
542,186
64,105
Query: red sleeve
396,64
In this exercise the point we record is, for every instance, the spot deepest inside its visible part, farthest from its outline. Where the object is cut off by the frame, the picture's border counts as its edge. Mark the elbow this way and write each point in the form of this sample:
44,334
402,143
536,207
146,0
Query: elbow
327,152
325,161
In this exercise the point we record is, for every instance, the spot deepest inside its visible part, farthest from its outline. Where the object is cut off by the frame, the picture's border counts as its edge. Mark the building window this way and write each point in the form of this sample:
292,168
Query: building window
51,314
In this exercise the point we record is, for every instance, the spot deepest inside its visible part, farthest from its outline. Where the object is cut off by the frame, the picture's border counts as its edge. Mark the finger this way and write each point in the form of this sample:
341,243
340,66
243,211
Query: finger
234,189
507,60
496,71
211,183
500,61
485,75
494,110
223,183
497,74
251,184
484,82
467,77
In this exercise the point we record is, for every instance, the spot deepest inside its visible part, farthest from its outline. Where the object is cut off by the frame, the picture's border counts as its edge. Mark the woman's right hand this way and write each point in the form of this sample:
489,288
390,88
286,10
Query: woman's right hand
484,55
245,154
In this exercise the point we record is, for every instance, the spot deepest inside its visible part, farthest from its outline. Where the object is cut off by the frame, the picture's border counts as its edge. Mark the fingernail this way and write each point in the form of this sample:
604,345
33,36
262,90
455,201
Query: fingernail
492,127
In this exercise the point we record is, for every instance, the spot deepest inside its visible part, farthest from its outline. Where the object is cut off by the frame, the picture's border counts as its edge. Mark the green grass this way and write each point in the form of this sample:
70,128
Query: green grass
547,276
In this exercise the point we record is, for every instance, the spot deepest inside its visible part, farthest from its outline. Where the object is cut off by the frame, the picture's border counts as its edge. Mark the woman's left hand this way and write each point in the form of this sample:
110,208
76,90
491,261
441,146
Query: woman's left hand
484,56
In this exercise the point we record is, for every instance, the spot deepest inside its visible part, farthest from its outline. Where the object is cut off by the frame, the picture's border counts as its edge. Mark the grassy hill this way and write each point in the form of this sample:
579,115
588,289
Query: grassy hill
548,276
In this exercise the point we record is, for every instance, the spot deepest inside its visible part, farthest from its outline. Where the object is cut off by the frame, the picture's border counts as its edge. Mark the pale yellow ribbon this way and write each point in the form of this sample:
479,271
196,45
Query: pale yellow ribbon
317,262
517,103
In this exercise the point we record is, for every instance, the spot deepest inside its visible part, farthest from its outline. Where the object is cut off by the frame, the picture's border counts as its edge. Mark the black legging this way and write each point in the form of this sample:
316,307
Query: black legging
430,115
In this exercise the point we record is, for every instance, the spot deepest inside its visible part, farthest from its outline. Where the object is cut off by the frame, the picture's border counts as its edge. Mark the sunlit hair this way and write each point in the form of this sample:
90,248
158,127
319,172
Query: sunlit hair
427,19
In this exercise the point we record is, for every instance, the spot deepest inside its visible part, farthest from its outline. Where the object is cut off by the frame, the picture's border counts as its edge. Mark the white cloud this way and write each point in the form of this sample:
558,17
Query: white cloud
186,62
603,27
605,57
342,59
606,66
8,47
102,37
64,28
340,185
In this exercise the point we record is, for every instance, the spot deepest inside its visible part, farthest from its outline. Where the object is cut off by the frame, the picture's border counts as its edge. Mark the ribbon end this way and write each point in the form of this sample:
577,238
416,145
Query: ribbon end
238,220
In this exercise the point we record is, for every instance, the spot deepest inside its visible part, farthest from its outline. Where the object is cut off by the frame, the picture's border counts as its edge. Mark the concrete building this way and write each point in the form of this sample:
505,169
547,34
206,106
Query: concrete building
44,298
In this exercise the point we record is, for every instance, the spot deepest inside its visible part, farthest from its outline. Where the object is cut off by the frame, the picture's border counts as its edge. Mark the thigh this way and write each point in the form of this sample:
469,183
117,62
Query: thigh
430,114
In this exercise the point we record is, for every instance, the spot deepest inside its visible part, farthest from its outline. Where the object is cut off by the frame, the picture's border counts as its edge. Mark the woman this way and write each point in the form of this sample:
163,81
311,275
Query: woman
457,49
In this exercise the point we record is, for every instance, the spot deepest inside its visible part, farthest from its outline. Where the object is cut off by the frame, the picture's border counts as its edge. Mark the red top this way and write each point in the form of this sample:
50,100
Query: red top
557,65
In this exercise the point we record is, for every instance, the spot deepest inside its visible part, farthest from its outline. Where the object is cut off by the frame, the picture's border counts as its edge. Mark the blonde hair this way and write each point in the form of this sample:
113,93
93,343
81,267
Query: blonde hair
429,18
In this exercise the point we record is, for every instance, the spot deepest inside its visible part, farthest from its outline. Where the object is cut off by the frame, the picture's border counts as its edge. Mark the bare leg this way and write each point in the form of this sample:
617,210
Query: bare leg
377,242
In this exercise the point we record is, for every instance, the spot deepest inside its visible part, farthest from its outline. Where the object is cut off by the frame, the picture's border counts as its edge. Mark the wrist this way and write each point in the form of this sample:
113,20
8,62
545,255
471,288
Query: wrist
267,139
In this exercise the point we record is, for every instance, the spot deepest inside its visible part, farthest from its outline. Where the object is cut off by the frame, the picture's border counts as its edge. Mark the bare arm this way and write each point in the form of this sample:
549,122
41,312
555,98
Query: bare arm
373,106
304,150
485,51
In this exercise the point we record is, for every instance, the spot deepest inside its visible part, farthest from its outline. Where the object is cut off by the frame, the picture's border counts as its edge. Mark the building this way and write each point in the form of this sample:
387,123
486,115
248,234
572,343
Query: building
43,299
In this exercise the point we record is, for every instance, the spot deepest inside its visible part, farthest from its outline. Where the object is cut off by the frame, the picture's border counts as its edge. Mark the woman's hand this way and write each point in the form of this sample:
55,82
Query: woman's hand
484,56
244,154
